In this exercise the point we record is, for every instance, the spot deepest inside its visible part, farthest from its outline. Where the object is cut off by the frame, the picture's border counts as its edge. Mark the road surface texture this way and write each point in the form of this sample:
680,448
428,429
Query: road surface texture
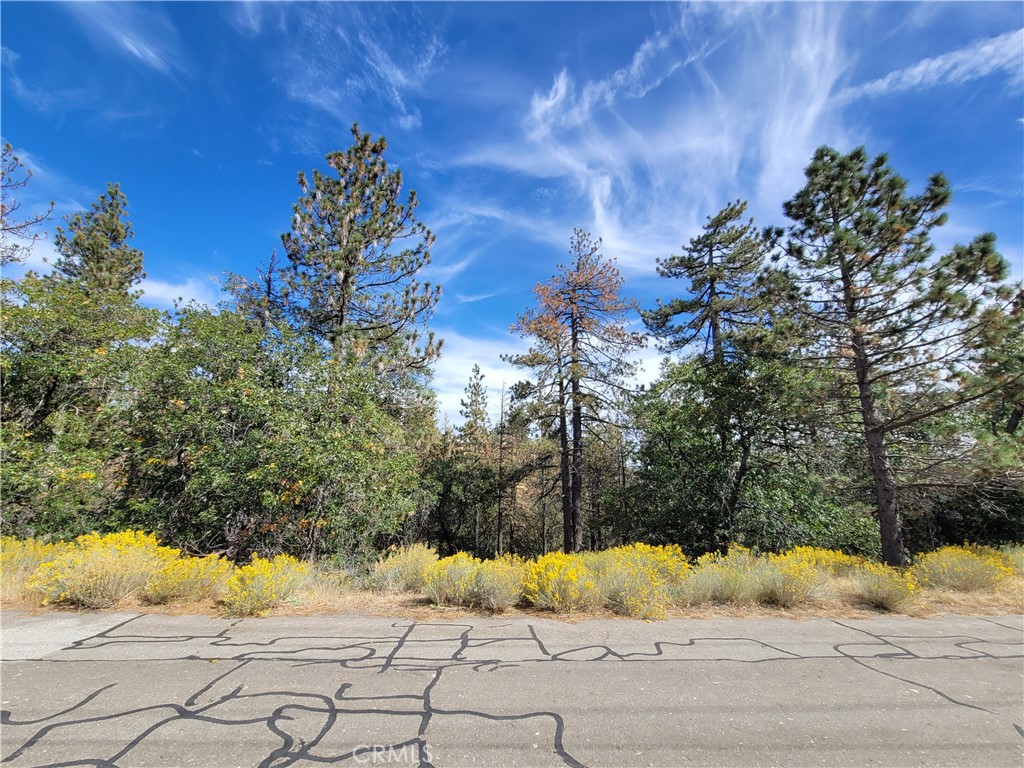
106,689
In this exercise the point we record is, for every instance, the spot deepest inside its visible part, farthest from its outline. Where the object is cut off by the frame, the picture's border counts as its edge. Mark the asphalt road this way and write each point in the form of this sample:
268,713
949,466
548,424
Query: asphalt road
136,690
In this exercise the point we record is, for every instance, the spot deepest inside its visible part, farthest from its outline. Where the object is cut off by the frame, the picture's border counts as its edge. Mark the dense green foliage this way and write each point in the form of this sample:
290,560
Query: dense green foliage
226,430
828,382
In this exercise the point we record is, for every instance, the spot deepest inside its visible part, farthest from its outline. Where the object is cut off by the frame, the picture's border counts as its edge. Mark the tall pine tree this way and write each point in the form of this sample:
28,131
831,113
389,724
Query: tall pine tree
907,333
354,252
721,328
721,265
94,248
581,351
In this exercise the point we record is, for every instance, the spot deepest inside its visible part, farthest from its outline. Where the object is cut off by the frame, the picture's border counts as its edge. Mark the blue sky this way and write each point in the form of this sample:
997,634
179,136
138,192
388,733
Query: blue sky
514,123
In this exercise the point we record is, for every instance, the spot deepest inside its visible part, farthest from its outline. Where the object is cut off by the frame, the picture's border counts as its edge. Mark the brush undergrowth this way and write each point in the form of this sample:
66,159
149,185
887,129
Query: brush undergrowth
262,585
100,571
403,569
638,580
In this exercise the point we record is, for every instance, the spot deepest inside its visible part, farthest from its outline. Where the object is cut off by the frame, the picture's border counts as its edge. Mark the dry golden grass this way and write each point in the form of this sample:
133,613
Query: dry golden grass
16,596
1007,599
329,597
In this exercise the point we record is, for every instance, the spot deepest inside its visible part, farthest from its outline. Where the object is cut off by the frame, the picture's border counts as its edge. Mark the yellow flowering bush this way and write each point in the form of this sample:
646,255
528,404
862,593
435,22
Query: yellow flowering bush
884,587
19,558
667,560
789,580
1004,555
99,571
263,584
403,569
189,578
561,582
1014,554
963,569
744,578
498,583
451,580
830,561
636,589
638,579
731,578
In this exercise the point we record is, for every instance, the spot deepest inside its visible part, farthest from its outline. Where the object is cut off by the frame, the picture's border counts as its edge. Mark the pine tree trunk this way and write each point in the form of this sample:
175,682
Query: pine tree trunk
715,322
577,470
543,512
882,475
501,510
736,485
563,438
512,519
885,496
1014,421
577,431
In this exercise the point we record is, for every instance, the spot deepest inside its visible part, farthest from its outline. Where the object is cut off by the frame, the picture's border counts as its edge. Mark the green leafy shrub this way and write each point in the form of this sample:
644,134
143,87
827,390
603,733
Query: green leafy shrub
404,569
101,571
189,579
256,588
968,568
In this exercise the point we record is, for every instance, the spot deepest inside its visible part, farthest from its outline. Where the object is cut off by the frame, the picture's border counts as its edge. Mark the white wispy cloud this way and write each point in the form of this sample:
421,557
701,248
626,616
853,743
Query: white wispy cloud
359,56
247,17
725,101
657,58
458,356
36,96
163,294
796,111
143,33
1003,54
463,298
1006,185
441,272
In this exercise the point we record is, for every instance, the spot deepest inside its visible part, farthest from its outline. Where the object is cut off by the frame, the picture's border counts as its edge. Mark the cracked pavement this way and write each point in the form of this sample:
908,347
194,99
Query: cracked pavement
124,689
